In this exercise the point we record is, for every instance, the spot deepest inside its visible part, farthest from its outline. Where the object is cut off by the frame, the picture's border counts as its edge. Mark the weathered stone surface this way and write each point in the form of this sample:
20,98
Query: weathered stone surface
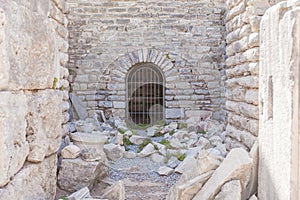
83,193
237,165
43,124
147,150
279,91
187,164
70,151
165,171
129,154
28,58
113,152
75,174
136,139
13,144
33,181
188,189
156,157
230,191
116,191
78,107
91,155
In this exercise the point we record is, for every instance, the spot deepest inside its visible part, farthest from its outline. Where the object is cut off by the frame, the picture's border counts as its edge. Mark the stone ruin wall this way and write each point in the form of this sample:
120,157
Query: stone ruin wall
185,39
242,66
279,101
33,53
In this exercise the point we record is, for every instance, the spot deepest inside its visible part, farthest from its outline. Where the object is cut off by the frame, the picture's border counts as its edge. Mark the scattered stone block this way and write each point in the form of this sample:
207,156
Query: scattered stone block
115,192
237,165
70,151
231,190
136,139
113,152
129,154
157,158
75,174
147,151
83,193
165,171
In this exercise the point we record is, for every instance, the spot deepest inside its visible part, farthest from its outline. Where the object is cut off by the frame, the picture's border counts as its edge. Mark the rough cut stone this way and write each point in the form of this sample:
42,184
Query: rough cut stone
147,150
157,158
70,151
136,139
165,171
188,189
187,164
44,124
230,191
33,181
91,155
237,165
113,152
14,147
83,193
116,191
129,154
76,173
28,58
279,88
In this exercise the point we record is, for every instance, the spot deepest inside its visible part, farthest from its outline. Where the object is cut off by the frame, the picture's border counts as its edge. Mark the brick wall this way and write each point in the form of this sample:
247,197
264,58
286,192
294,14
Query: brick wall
184,39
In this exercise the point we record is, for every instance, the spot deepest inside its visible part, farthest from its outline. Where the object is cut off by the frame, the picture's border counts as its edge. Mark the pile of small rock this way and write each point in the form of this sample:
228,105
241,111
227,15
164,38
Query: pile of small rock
195,149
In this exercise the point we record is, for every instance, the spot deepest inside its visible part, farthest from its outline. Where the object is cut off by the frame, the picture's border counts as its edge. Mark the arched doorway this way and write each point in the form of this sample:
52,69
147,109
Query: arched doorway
145,94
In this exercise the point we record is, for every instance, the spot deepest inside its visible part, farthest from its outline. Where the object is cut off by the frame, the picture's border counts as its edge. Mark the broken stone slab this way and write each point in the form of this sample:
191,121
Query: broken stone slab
113,152
117,139
176,144
237,165
165,171
33,181
88,141
115,192
252,186
136,139
203,143
230,191
12,156
188,189
173,162
22,67
91,155
88,125
151,131
187,164
75,174
83,193
253,197
70,151
147,150
78,106
44,120
156,157
129,154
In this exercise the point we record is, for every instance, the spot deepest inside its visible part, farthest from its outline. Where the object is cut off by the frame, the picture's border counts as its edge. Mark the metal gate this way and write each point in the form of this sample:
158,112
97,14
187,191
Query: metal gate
145,100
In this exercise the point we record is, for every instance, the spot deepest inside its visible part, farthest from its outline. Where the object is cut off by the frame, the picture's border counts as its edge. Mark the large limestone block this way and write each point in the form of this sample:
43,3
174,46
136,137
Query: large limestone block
230,191
116,191
279,99
44,123
13,145
34,181
237,165
187,190
28,51
75,174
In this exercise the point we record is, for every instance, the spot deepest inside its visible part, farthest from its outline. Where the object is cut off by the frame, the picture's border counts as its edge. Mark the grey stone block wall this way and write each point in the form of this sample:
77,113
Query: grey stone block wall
184,39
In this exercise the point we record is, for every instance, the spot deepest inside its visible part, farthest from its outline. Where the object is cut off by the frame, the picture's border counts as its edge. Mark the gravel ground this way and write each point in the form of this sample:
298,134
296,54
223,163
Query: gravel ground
140,178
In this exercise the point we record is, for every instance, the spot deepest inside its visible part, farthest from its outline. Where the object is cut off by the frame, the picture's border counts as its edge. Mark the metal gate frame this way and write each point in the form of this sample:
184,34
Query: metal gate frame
140,75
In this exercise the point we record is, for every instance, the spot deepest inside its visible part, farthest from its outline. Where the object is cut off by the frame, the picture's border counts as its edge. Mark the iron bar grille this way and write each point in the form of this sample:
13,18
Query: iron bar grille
145,100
